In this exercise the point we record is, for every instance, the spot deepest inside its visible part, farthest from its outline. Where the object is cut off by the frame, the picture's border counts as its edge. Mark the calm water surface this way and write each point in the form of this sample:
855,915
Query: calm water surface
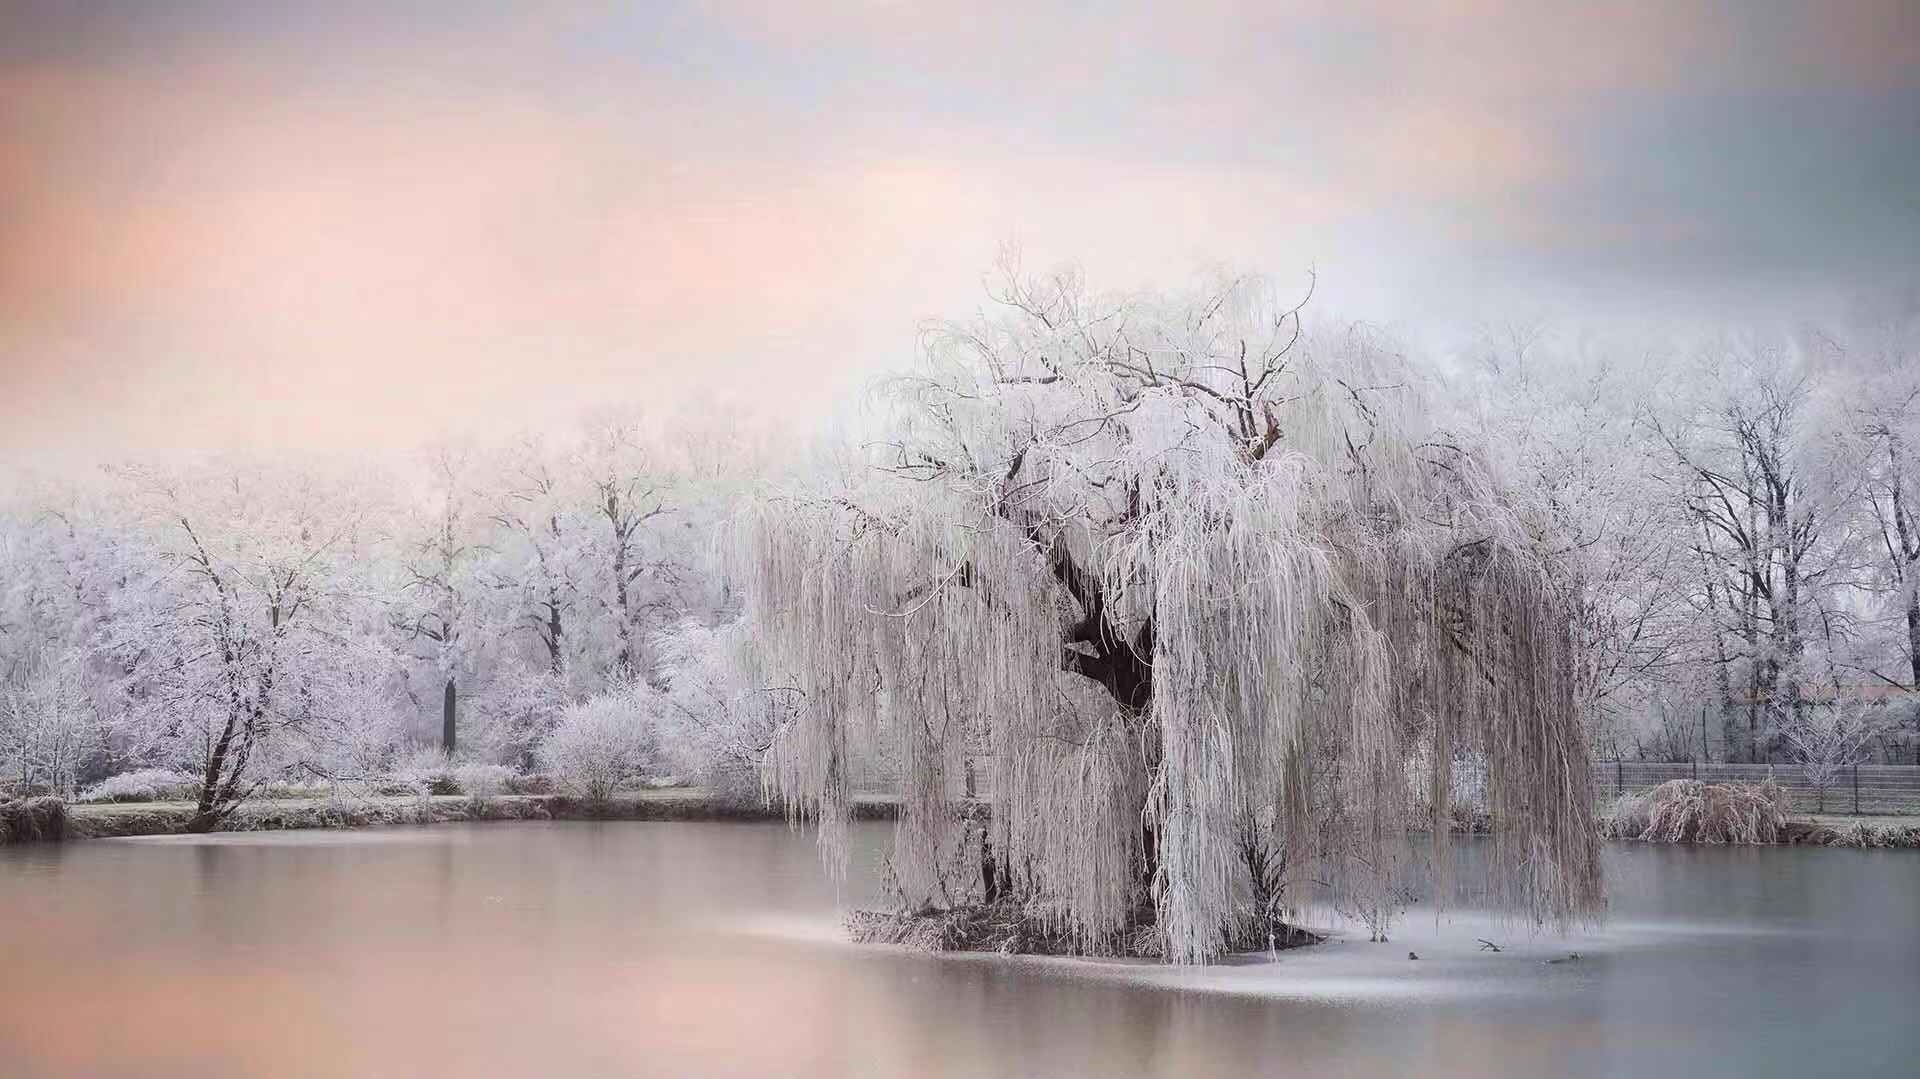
710,949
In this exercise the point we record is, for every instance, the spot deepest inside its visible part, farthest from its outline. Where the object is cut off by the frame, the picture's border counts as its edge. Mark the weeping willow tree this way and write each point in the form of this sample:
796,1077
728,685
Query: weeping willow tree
1221,604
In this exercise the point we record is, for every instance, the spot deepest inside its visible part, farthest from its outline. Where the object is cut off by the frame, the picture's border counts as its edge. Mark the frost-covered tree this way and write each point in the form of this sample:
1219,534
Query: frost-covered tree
1184,574
439,609
1881,376
1565,414
1828,739
245,627
1770,501
537,556
59,573
718,717
628,494
47,726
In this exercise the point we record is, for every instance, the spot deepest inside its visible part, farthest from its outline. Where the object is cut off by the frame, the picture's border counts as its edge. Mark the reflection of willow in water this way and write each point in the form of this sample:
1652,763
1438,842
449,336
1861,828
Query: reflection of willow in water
1219,602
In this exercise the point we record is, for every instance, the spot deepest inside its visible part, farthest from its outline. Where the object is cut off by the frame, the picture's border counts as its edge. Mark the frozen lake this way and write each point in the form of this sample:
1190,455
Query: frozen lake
712,949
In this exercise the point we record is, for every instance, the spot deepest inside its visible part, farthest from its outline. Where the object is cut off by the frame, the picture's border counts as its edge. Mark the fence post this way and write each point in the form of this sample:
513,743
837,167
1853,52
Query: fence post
1856,790
1619,778
1696,770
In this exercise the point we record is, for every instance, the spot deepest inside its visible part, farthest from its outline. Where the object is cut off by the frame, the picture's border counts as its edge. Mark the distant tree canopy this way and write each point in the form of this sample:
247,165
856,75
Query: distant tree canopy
1200,586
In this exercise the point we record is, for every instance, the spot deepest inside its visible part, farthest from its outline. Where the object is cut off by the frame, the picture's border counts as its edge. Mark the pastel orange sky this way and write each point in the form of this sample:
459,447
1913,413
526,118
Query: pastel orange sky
364,225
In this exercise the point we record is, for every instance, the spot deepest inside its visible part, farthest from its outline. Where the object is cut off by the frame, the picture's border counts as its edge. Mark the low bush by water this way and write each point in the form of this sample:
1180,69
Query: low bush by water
1692,811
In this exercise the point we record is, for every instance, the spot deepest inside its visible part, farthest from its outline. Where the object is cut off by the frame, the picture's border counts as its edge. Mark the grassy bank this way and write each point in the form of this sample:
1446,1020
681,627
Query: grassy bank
1889,832
49,821
1897,833
121,819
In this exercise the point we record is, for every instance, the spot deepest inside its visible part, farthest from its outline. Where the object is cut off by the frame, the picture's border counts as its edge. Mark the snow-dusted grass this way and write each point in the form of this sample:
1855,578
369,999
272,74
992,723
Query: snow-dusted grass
168,818
485,780
1865,833
169,785
424,772
111,820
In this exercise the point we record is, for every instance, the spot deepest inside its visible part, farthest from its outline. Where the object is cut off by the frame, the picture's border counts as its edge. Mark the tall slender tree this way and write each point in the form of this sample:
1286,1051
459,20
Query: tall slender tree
628,493
439,591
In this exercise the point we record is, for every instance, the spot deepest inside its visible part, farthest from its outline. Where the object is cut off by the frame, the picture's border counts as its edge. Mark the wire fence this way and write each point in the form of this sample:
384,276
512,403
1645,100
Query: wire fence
1863,790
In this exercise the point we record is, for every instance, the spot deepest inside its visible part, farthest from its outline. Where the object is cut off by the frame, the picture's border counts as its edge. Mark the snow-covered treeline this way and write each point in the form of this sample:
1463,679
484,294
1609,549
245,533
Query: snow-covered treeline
249,623
1738,519
1731,524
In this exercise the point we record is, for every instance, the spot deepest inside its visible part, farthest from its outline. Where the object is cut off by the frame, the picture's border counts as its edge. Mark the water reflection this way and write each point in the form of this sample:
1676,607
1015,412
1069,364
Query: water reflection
698,949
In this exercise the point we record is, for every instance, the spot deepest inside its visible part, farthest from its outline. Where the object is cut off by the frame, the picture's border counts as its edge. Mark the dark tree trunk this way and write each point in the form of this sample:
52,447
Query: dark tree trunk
1913,639
555,630
204,815
449,705
625,659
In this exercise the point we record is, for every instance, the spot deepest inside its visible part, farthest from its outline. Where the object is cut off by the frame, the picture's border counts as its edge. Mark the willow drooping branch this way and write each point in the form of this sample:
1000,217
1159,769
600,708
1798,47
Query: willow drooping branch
1189,579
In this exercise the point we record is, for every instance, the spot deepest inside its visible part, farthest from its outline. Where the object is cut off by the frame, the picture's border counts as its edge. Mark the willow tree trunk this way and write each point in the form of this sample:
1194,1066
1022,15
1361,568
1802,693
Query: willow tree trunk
449,704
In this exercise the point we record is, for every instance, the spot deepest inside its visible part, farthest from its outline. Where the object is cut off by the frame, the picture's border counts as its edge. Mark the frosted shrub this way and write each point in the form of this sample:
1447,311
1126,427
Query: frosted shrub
599,746
144,785
1626,818
427,771
484,780
293,789
717,720
1690,811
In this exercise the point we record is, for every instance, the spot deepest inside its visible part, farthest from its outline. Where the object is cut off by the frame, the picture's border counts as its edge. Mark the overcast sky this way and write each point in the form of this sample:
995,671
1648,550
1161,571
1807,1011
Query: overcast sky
343,225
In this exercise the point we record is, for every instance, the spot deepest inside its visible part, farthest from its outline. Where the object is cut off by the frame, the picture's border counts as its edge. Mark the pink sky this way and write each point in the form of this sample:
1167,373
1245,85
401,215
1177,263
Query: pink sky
355,227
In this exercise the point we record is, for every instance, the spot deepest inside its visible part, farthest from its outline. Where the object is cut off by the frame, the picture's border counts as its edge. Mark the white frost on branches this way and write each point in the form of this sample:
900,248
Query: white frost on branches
1828,739
601,744
1182,572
